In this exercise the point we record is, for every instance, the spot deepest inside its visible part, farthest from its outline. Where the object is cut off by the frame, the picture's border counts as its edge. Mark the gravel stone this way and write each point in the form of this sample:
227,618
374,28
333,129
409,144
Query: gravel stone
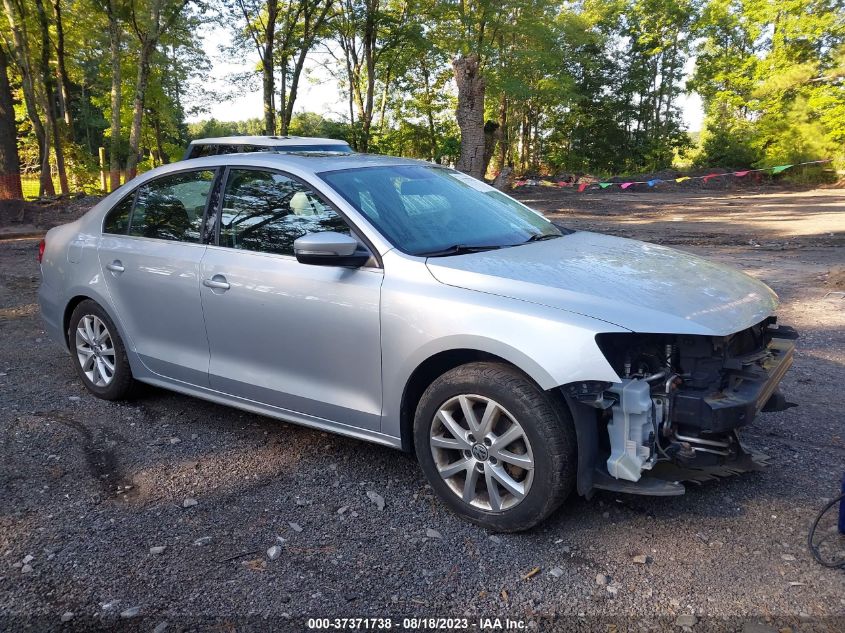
274,552
158,549
189,502
557,572
376,498
686,619
295,526
67,616
602,580
432,533
131,612
203,540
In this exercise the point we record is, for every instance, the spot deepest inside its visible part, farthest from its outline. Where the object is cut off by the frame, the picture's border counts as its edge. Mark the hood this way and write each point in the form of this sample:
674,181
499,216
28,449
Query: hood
638,286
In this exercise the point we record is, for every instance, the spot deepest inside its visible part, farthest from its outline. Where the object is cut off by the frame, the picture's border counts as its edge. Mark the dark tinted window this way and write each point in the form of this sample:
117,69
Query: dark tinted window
341,148
198,151
117,220
172,207
266,212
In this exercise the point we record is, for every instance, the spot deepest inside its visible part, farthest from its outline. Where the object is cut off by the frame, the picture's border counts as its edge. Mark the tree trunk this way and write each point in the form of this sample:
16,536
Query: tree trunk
64,82
491,130
429,113
268,68
138,108
10,169
470,114
370,44
49,94
162,157
22,59
502,159
284,124
116,96
294,88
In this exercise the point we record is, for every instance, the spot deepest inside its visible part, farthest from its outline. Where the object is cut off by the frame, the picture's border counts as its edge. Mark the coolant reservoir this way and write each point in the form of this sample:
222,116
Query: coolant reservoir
630,430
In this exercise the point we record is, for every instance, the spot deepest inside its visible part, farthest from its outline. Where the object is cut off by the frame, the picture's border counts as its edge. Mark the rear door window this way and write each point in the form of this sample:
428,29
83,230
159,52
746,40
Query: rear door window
172,207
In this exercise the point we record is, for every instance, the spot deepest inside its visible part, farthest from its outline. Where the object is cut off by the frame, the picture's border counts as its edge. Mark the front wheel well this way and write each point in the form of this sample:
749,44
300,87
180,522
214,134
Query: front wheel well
427,372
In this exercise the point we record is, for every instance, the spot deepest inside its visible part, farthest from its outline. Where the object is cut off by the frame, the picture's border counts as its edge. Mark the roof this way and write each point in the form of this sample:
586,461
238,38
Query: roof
302,163
268,141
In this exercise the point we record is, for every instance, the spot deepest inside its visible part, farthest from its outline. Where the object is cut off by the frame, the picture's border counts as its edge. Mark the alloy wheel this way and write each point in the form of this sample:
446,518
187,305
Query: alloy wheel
95,350
482,452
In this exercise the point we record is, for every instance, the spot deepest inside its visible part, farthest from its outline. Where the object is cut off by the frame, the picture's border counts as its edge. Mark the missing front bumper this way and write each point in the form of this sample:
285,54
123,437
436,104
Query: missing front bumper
750,386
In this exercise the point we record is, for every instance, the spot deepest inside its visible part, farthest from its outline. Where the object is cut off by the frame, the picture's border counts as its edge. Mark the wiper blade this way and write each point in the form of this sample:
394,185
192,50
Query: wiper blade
460,249
540,237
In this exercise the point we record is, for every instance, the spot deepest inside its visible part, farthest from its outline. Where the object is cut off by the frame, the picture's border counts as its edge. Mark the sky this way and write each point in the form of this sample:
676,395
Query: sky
319,93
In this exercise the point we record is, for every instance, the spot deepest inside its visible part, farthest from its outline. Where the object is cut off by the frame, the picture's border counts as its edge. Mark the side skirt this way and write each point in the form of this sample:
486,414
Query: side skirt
292,417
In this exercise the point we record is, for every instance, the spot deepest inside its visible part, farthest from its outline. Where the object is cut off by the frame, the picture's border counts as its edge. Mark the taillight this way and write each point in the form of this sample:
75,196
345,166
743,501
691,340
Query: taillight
41,246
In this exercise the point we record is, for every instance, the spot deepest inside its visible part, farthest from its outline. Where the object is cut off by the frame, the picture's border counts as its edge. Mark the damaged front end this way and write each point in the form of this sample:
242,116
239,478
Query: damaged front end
675,413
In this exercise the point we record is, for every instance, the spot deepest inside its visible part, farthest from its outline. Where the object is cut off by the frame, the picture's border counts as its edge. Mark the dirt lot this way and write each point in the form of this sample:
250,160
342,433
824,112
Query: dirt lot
87,488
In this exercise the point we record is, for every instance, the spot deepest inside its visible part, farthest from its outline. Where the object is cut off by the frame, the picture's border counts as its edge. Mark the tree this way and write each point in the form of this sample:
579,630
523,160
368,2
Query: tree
303,23
149,24
470,29
10,171
260,18
770,77
16,14
48,95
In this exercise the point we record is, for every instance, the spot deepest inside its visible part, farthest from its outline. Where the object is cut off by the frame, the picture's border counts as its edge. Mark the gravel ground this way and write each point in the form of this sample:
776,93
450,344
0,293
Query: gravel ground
162,510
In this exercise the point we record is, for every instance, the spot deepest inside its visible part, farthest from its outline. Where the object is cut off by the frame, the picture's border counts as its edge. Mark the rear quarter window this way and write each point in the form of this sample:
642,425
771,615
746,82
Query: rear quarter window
117,220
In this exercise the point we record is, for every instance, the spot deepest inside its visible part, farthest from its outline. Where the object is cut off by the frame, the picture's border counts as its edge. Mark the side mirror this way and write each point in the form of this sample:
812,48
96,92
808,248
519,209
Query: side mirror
329,249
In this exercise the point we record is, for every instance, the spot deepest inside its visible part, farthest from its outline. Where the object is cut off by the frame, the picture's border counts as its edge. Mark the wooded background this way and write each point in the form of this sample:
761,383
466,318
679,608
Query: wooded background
535,85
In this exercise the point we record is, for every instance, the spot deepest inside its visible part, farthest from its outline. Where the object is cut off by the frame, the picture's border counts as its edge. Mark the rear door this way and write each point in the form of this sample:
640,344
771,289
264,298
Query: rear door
150,255
300,337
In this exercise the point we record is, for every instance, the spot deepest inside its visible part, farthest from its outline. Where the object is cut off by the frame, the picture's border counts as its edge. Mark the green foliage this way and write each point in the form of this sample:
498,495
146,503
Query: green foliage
771,76
589,85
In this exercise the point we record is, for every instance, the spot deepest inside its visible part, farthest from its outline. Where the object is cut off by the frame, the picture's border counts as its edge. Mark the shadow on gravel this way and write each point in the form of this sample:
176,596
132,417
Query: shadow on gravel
100,455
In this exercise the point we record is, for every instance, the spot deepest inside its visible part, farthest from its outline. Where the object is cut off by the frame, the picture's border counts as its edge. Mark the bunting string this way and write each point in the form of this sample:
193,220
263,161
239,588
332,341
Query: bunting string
626,184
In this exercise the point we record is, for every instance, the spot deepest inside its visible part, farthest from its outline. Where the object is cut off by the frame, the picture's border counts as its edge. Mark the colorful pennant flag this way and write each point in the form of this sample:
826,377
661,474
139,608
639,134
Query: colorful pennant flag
583,186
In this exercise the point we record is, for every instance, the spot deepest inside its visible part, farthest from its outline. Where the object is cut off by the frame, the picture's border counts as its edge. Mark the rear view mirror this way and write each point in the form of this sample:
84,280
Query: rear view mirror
329,249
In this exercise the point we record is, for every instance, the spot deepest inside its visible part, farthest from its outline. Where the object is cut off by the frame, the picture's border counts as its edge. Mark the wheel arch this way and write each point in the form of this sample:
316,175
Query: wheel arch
438,364
75,300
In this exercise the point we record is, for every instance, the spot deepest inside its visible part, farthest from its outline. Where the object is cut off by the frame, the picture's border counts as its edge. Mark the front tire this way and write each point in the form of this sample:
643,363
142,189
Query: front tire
98,353
495,447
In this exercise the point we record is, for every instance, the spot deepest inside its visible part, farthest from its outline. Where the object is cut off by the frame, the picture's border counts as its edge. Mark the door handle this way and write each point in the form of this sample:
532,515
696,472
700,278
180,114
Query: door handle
218,282
116,266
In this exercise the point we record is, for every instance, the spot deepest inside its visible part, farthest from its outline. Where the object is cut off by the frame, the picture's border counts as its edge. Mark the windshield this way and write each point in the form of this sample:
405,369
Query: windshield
426,210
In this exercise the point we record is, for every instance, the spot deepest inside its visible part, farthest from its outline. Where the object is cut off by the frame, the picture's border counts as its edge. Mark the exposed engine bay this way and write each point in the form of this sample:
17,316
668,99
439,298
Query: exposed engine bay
680,401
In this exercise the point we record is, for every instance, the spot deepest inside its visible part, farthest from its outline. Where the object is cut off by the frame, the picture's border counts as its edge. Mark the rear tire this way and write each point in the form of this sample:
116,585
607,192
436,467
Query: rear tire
495,447
98,353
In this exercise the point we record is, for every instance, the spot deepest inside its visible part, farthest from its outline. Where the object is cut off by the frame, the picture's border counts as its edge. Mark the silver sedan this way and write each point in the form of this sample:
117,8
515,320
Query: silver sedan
407,304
